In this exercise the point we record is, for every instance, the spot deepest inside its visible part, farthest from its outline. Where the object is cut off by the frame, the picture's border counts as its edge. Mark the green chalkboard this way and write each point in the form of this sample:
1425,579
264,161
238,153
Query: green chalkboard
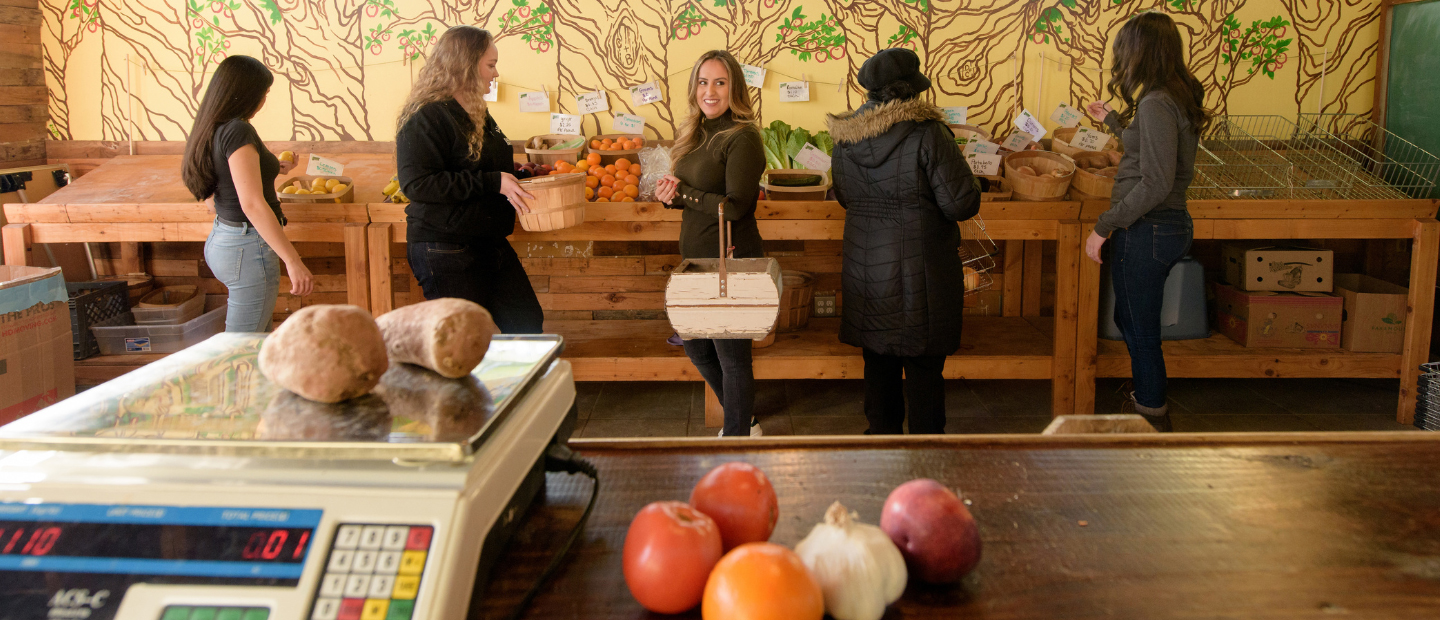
1412,98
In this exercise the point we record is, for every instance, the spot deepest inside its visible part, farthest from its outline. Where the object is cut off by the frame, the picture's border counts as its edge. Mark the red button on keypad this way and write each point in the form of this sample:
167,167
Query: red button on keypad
351,608
419,538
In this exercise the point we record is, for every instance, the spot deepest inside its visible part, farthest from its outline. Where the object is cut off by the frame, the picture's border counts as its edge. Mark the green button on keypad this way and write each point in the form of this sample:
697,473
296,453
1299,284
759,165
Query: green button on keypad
257,614
400,610
176,613
203,613
230,613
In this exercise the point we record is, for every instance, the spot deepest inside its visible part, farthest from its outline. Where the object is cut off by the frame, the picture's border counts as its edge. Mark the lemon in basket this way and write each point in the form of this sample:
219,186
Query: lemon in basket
289,189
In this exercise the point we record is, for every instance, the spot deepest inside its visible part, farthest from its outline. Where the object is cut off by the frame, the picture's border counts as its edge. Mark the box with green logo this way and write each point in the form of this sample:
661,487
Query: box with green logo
1374,318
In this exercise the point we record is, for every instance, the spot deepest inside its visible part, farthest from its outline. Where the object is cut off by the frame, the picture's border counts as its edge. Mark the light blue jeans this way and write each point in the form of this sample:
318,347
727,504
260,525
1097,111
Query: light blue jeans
246,265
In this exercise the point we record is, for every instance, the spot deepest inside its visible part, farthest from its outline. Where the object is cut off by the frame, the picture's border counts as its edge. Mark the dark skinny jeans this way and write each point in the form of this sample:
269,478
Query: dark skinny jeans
1140,259
726,366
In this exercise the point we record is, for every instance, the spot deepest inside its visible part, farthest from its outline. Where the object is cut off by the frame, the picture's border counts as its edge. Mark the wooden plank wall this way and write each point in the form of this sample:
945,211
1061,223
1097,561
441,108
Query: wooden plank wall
22,85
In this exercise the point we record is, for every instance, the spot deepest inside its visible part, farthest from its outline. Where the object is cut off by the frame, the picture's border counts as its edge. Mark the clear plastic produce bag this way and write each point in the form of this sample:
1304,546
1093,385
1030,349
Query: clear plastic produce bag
654,165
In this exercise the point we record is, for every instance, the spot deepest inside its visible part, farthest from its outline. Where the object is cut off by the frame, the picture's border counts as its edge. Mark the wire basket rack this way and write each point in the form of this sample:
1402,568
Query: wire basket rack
1316,157
1427,398
978,252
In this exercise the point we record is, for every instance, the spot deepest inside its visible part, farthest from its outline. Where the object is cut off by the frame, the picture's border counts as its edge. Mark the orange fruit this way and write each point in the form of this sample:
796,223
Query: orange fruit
627,199
582,166
762,581
631,179
589,194
593,158
592,182
564,167
596,171
607,180
622,164
602,199
606,192
594,144
606,142
612,169
639,142
635,169
631,191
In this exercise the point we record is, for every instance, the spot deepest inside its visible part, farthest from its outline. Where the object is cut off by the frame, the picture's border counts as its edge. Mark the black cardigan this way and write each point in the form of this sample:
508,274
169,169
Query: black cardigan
453,198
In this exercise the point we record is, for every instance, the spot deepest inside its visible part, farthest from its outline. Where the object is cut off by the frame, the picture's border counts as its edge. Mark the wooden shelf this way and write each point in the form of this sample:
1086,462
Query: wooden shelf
93,371
991,348
1220,357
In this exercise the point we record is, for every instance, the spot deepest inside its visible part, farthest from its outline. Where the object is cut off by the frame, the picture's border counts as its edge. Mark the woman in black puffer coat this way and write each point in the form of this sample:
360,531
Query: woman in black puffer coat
904,185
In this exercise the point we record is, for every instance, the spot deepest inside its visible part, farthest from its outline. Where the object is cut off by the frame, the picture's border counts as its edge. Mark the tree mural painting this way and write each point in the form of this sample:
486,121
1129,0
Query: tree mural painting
973,50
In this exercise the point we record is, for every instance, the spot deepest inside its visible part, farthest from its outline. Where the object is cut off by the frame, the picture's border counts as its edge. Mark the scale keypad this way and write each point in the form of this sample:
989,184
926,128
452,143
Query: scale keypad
373,572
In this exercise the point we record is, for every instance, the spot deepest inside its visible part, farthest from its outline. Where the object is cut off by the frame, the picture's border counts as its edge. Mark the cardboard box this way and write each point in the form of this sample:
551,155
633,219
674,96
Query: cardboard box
37,366
1374,313
1254,267
1273,319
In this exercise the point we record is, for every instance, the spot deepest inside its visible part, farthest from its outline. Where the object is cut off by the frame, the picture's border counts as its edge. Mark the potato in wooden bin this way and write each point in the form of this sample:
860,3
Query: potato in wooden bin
326,353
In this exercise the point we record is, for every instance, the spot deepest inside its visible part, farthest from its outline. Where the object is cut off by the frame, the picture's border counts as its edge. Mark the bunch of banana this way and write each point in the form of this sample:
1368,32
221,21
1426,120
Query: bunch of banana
392,189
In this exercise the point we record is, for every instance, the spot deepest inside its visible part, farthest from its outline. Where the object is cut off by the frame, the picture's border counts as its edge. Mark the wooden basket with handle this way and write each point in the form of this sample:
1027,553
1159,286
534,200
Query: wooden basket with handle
724,298
559,202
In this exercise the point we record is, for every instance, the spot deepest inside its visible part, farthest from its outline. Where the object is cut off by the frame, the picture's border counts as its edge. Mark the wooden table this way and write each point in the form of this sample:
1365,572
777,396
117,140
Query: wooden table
1303,525
1010,347
1219,356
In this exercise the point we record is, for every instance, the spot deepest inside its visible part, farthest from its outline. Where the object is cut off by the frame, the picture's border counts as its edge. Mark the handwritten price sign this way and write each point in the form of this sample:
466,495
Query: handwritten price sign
1027,123
957,115
1017,141
565,124
794,91
627,123
754,76
1066,115
646,94
590,103
321,167
984,163
812,158
981,147
534,102
1089,140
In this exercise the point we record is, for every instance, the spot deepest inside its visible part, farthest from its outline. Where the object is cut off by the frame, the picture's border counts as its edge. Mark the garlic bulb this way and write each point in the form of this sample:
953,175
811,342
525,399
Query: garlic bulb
859,569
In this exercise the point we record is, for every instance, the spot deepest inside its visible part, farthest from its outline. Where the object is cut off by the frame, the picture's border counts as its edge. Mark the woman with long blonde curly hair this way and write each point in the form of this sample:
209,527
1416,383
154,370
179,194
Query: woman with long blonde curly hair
456,167
718,161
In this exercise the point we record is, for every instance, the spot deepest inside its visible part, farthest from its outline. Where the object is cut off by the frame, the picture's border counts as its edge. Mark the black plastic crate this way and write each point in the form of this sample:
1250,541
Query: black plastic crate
98,302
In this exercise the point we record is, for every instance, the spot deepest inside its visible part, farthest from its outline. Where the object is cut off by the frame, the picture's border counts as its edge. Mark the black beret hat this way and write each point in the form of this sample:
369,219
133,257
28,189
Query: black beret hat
896,63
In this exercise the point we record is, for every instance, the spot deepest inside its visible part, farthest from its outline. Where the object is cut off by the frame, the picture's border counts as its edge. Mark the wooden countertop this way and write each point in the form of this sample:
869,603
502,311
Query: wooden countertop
150,179
1303,525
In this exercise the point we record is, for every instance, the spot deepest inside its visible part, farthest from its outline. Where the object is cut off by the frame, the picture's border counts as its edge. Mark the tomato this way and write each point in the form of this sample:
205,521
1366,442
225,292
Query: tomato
669,551
740,499
762,581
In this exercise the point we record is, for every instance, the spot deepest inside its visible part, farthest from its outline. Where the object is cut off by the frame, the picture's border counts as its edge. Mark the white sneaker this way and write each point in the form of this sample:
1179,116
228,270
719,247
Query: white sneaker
755,430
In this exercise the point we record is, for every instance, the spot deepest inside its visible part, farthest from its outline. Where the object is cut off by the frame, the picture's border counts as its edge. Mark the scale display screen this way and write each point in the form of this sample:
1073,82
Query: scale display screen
49,548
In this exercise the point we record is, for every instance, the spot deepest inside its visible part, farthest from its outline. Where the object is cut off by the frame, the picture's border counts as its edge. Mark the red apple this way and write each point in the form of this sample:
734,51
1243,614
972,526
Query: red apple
933,529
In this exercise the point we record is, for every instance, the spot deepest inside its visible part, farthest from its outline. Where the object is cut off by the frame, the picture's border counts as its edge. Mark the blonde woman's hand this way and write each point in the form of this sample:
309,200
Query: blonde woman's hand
1093,245
666,188
1098,110
510,187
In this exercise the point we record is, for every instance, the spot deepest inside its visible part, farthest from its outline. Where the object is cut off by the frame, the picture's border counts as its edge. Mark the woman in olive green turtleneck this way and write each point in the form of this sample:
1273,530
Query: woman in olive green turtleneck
719,160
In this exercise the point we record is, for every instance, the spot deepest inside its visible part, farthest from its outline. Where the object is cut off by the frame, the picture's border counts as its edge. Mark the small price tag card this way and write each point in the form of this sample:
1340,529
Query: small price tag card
1027,123
1017,141
567,124
982,147
494,93
812,158
957,115
1088,139
1067,115
984,163
754,76
534,102
646,94
321,167
794,91
590,103
627,123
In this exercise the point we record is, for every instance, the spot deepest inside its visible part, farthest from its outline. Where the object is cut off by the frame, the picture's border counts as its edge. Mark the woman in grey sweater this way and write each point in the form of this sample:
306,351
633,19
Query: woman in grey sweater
1147,225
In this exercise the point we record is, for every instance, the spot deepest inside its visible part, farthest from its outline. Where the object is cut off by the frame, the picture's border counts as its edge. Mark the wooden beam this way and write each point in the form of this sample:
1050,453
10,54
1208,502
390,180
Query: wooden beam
169,231
357,266
1419,312
1014,270
1309,229
382,297
1030,299
17,239
1067,273
130,258
714,411
1086,335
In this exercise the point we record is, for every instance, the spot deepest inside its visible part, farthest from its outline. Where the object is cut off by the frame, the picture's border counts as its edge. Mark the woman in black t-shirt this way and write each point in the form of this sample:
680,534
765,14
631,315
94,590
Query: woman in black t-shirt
225,159
455,166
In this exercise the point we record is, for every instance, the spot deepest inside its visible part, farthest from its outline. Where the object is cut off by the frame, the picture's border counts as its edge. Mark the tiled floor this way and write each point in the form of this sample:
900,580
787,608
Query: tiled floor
835,407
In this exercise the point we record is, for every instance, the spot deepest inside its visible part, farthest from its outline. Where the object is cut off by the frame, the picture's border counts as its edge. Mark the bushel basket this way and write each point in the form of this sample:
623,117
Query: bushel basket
724,298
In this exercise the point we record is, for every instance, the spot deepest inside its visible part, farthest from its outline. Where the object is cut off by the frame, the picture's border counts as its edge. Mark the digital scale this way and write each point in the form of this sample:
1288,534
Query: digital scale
194,489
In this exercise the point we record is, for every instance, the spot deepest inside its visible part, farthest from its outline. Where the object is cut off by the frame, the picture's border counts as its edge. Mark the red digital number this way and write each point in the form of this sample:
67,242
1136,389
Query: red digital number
300,546
254,546
47,541
274,544
13,538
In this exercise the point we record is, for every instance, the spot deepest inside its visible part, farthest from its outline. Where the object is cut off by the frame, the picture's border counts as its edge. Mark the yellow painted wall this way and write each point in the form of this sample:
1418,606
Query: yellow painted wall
343,67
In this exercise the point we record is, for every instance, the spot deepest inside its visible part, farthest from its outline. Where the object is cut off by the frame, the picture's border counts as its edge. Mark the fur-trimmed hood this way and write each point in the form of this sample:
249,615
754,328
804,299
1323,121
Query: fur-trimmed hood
889,122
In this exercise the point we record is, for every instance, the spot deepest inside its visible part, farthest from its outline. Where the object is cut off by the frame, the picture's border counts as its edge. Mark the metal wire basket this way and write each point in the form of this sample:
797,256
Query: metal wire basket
978,251
1427,398
1319,157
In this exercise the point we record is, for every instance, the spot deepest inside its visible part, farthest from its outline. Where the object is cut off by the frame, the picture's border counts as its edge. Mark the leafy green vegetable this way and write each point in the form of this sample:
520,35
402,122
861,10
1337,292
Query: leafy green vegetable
572,144
824,142
797,141
773,139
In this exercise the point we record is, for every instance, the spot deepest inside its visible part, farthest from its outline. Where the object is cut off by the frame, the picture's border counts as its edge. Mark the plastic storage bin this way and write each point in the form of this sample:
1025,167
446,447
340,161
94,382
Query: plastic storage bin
173,315
91,304
1182,314
120,335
